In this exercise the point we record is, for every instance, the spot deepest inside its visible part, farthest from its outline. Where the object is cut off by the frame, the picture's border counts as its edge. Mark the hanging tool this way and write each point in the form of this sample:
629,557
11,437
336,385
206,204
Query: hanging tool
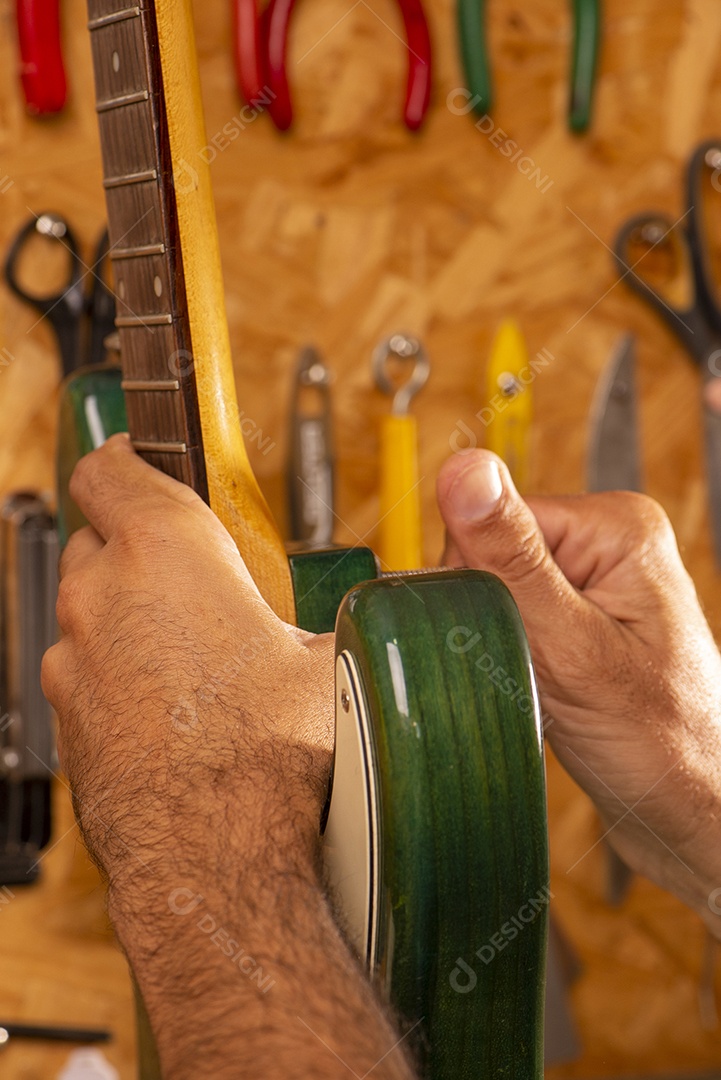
470,16
273,43
81,320
310,465
669,264
9,1031
614,459
614,464
509,410
28,589
584,62
248,49
42,72
400,546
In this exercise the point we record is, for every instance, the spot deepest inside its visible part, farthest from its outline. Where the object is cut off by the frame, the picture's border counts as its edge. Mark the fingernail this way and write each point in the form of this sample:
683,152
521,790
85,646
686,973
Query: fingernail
477,491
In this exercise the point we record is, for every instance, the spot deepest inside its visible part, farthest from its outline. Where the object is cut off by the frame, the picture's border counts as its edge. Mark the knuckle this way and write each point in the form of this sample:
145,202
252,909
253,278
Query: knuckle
524,559
69,551
83,474
646,522
50,674
71,601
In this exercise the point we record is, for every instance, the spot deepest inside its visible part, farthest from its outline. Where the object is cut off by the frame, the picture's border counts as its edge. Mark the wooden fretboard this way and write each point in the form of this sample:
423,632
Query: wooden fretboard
155,342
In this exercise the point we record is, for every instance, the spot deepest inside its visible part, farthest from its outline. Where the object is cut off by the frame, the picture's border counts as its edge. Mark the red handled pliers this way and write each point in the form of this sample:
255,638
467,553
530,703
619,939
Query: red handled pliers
261,47
41,60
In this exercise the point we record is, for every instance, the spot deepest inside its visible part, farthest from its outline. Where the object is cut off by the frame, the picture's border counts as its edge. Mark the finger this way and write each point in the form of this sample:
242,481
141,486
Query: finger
491,528
82,545
113,483
451,552
590,537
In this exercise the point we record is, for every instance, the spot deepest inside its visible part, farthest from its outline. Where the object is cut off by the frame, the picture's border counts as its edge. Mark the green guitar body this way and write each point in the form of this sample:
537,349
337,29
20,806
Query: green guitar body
449,829
456,760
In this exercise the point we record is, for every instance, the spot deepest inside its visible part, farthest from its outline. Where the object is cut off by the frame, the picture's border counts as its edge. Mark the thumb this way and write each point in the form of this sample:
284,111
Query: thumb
488,524
490,527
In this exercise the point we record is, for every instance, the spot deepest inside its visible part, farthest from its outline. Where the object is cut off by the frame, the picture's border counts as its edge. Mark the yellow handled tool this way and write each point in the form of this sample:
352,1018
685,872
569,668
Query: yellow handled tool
509,404
400,545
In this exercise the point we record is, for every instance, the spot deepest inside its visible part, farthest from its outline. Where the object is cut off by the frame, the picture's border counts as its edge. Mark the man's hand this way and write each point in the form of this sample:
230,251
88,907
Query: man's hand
184,703
627,666
196,730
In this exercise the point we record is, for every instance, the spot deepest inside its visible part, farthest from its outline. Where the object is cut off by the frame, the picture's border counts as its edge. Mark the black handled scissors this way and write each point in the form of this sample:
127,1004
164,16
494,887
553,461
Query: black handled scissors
70,308
669,264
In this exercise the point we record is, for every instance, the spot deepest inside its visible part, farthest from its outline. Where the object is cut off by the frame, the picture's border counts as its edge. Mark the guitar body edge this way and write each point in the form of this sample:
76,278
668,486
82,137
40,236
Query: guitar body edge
455,838
92,408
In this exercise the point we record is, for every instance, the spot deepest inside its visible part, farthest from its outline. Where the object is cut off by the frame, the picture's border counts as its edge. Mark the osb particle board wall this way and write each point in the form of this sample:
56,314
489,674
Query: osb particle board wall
350,228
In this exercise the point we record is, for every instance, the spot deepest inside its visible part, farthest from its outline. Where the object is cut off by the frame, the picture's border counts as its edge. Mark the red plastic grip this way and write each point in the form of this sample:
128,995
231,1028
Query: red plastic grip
249,73
41,61
418,86
276,19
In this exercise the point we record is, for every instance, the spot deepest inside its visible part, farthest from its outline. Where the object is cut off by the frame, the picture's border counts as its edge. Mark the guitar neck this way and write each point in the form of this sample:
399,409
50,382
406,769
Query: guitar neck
175,350
152,320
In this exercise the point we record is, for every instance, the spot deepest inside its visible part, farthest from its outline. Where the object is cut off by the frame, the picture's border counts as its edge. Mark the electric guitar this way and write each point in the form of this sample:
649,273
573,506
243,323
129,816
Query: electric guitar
435,837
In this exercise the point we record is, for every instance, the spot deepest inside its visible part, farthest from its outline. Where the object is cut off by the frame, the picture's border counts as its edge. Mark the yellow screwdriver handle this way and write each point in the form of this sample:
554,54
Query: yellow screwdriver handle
508,413
400,526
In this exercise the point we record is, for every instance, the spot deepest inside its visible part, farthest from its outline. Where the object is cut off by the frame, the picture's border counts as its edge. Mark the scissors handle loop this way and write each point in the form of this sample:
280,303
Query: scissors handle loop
53,227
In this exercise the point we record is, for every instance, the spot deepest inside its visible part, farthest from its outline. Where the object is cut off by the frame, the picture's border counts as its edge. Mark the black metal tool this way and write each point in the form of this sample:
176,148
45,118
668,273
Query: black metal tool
670,265
82,318
28,588
10,1031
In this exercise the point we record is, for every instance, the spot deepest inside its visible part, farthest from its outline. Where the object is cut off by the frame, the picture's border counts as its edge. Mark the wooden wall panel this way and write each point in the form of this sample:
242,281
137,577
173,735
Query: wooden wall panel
350,228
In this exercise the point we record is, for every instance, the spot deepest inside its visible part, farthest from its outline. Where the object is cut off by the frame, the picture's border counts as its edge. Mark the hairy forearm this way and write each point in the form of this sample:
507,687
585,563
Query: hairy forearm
256,984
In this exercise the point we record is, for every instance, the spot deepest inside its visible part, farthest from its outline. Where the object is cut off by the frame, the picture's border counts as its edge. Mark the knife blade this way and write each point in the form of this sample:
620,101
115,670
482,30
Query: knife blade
614,461
614,464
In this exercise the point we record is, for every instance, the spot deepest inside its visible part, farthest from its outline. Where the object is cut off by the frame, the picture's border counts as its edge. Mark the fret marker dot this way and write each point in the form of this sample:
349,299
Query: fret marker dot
158,286
121,289
116,62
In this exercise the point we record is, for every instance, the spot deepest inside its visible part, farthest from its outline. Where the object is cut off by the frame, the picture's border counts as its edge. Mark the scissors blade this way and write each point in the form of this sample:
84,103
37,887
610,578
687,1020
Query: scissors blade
614,462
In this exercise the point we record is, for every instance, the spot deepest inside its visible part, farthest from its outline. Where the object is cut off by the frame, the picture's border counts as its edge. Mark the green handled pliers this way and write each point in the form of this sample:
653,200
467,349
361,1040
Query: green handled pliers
586,40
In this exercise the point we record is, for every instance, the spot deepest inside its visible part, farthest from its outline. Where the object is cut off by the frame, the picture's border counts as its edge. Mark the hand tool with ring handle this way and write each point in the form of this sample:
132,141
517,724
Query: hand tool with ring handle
669,264
68,308
400,525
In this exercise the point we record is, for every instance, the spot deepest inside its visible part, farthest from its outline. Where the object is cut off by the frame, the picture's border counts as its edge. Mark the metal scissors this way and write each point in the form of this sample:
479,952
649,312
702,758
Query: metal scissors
670,265
72,307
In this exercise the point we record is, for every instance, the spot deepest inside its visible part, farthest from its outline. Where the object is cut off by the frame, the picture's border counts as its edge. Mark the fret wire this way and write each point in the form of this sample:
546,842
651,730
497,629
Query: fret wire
129,321
116,16
160,447
122,101
140,252
131,178
150,384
